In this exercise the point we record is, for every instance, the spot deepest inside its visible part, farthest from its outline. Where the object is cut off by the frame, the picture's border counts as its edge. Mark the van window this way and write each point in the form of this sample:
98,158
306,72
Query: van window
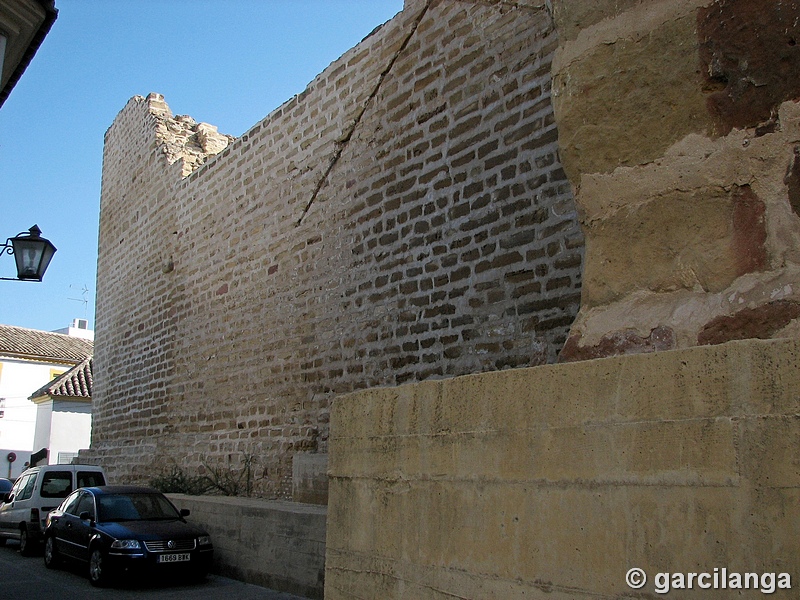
27,491
90,479
56,484
19,486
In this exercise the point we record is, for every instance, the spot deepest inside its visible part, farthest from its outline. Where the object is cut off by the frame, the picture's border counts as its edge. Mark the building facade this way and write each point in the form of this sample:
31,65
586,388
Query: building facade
64,414
30,359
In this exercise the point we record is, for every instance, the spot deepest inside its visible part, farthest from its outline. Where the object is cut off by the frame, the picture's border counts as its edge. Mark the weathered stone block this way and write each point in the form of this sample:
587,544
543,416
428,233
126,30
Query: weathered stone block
627,92
750,60
574,16
310,478
650,246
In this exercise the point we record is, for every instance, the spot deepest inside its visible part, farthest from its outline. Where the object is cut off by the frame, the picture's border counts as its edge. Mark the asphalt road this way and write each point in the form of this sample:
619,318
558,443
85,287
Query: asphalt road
24,578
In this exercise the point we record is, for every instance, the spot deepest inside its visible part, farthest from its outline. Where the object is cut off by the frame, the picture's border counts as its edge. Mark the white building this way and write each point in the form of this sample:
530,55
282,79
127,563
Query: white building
79,328
29,360
64,414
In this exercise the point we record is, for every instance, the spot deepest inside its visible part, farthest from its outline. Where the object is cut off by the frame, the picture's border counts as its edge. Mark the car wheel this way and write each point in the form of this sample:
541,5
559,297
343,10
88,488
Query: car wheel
97,568
24,543
51,558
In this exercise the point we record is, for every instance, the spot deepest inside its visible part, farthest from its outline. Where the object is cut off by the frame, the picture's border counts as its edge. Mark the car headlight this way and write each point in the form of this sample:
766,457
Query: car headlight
204,540
126,545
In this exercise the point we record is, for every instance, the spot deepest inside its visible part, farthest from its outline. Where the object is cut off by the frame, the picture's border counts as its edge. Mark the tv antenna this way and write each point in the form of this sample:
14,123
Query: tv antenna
84,299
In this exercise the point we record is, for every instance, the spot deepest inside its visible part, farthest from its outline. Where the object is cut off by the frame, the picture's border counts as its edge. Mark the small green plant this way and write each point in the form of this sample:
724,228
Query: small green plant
227,479
177,481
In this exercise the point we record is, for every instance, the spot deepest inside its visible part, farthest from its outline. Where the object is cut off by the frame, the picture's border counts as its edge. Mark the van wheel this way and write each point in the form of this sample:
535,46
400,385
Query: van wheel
24,543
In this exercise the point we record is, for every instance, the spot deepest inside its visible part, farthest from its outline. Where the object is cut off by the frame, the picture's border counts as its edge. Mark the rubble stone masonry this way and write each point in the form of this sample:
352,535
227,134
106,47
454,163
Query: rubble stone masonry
679,124
404,218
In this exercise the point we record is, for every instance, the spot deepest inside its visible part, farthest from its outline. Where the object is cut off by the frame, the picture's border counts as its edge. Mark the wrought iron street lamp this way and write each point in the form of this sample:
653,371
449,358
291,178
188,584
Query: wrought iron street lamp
32,253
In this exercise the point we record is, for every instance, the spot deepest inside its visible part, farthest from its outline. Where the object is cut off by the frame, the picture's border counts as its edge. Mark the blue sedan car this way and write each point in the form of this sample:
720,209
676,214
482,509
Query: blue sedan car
120,529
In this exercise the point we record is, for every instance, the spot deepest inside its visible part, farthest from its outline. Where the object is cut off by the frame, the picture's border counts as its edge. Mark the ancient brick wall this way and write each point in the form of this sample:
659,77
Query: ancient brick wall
404,218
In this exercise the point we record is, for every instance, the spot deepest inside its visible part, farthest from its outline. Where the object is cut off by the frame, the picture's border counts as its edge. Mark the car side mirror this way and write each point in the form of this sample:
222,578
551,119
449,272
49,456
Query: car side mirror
10,498
85,516
185,512
4,497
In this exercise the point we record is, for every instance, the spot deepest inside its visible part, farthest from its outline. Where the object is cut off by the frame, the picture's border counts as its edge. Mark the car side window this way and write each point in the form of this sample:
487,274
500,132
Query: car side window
71,503
27,491
85,504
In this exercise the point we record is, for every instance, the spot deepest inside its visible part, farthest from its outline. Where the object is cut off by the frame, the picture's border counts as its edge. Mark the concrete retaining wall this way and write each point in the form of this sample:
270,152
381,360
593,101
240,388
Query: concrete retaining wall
280,545
552,482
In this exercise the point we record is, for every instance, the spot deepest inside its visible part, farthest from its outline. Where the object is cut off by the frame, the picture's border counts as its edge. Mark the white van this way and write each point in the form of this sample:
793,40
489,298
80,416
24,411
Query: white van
35,493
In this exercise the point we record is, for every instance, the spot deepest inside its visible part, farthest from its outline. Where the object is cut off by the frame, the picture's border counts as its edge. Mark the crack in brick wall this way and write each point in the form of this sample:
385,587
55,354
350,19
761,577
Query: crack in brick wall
340,145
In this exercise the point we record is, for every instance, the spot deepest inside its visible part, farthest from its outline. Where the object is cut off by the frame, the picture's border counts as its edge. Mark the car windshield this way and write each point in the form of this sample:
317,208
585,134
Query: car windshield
134,507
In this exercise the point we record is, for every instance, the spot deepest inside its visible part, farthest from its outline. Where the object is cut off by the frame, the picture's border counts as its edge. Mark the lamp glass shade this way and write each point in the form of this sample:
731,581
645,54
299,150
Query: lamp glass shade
32,254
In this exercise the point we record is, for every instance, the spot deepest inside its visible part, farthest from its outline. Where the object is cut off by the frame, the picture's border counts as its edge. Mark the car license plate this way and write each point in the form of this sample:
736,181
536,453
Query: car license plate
171,558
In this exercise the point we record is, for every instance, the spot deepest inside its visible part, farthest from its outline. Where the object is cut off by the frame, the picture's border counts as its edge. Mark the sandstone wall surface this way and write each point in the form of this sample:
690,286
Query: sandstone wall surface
678,124
404,218
553,481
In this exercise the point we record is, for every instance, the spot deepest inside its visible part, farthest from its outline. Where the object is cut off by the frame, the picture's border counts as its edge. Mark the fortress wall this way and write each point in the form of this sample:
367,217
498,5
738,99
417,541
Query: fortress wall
408,219
404,218
678,128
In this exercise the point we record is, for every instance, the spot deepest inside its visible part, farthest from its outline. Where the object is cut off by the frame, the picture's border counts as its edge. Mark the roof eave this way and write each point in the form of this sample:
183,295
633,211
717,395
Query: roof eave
45,397
40,358
51,13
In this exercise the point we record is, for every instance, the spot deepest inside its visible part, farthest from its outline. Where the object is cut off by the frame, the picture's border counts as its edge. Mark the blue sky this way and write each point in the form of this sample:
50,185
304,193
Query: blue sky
224,62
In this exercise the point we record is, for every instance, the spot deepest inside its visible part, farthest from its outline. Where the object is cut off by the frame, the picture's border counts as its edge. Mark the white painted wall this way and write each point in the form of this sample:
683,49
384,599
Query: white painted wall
75,331
70,427
18,380
44,421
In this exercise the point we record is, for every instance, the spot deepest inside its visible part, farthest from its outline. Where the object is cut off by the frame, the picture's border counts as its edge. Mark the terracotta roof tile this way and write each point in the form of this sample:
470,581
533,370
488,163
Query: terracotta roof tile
20,342
75,383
